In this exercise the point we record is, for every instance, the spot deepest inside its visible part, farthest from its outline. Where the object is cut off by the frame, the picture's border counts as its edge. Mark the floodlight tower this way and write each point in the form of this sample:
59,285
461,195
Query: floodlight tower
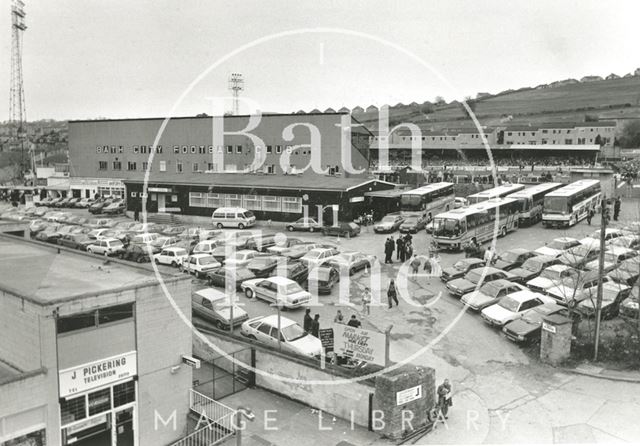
17,107
236,85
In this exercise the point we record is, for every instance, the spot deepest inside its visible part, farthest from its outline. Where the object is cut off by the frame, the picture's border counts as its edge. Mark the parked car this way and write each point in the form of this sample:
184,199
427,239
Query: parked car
83,203
173,231
557,246
322,279
261,243
107,247
490,293
63,202
579,256
135,253
527,328
343,229
389,223
264,266
460,268
163,242
512,307
143,239
282,247
317,256
240,258
296,271
277,290
292,337
218,276
98,205
172,255
78,220
49,234
532,267
116,207
627,272
351,261
552,276
37,225
40,211
631,241
72,203
298,251
199,264
512,258
572,291
609,234
97,223
613,256
461,286
412,224
214,306
304,224
630,306
75,241
207,246
123,225
612,296
46,201
97,233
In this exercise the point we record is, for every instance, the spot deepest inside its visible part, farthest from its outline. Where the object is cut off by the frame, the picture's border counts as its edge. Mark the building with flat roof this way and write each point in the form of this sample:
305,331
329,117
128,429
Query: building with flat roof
91,350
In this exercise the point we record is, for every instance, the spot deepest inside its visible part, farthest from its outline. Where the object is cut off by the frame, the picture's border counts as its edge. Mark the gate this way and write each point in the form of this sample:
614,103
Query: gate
223,377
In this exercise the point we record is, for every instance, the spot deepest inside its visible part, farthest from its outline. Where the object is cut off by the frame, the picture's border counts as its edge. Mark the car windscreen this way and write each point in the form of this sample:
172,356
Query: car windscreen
207,260
293,332
509,303
557,244
474,276
247,214
550,274
532,265
490,289
509,256
555,204
388,219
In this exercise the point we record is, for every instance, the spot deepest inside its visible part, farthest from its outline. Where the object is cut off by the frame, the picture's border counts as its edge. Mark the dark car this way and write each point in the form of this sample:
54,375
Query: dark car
342,230
264,266
528,327
468,283
512,258
49,234
304,224
460,268
630,307
389,223
62,202
98,205
75,241
296,271
135,253
322,278
218,277
627,272
413,224
352,261
531,268
613,294
260,244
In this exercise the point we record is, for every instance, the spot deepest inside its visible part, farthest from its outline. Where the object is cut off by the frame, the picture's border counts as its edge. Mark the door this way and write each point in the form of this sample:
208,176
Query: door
161,202
124,427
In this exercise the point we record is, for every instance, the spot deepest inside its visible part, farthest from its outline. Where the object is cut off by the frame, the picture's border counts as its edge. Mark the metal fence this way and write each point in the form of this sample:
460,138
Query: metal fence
216,421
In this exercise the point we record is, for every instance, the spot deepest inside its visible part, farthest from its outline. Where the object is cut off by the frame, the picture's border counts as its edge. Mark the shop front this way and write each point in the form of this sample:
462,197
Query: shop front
90,187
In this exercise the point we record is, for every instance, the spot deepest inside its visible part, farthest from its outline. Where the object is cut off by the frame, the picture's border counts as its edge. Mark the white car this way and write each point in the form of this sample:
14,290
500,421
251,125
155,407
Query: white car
613,256
557,246
512,307
215,306
572,291
173,256
206,246
240,258
490,293
293,338
281,291
318,256
199,264
609,234
551,276
96,234
389,223
107,246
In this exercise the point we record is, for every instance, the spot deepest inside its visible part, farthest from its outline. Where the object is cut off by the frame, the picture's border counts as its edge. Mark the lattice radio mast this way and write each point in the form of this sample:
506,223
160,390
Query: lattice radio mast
236,85
17,107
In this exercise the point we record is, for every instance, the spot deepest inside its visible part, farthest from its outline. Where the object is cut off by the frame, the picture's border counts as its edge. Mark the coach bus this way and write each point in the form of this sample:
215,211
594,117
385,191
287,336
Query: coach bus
428,200
570,204
497,192
531,200
456,228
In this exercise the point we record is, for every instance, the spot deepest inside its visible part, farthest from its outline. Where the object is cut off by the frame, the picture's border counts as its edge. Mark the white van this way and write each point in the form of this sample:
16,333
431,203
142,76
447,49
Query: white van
233,218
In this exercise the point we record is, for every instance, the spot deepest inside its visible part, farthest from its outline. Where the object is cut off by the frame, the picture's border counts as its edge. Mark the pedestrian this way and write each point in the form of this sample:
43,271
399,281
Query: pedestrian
136,215
489,256
415,265
590,216
354,322
616,208
366,301
408,238
339,319
408,250
306,325
315,326
400,249
388,250
444,398
392,294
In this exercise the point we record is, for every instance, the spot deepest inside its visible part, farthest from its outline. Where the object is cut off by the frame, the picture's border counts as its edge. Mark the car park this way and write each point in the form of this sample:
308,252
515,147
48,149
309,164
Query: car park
613,256
463,285
490,293
551,276
512,258
351,261
627,272
572,291
214,306
291,336
612,296
279,291
172,255
199,264
107,247
218,276
322,279
317,256
460,268
343,229
75,241
557,246
389,223
304,224
412,224
512,307
579,256
527,328
135,253
532,267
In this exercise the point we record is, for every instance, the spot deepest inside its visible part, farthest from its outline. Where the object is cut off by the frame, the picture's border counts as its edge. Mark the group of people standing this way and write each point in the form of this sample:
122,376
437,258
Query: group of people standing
403,246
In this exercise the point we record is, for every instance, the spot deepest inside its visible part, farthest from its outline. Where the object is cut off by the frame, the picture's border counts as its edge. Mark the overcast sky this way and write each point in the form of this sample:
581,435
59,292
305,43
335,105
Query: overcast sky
117,58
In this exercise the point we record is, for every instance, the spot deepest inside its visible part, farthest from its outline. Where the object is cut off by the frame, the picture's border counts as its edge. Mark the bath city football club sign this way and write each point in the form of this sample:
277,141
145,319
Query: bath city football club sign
360,344
98,373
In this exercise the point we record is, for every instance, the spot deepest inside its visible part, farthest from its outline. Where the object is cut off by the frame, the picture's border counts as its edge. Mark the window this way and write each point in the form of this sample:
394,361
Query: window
115,313
76,322
278,149
270,203
292,204
210,166
238,149
124,393
131,165
568,141
145,166
179,167
229,149
214,200
96,318
271,168
99,401
252,202
233,200
163,166
102,165
117,165
269,149
196,199
195,167
73,409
